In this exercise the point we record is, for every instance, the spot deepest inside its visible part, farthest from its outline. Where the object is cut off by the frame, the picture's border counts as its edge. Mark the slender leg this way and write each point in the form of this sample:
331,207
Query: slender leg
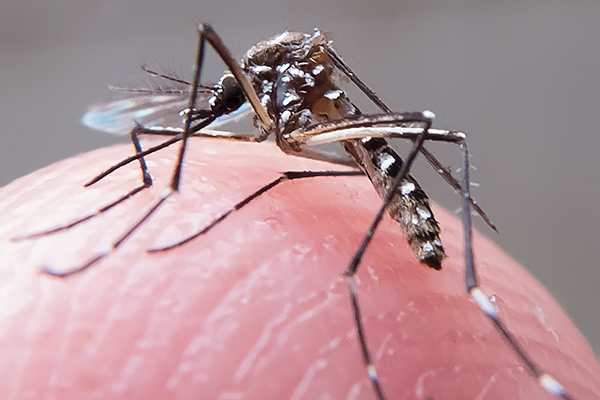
352,268
175,180
176,136
233,65
137,156
146,183
286,176
545,380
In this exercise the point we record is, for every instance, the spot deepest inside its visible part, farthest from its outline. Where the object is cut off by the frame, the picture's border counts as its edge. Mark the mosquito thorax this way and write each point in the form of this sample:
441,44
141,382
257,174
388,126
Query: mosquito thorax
228,95
296,81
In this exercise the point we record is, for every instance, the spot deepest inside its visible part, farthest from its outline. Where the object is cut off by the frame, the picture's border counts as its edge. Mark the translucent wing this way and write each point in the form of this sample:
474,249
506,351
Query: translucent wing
150,108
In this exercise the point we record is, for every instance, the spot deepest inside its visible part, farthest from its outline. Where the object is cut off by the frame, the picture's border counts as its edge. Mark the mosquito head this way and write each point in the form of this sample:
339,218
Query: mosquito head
228,95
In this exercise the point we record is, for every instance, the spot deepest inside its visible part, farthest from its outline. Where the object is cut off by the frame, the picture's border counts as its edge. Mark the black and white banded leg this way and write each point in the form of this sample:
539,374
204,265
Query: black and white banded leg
367,126
547,382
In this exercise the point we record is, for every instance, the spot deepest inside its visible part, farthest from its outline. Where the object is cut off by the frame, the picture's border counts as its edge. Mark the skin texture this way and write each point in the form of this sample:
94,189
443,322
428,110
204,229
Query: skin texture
258,307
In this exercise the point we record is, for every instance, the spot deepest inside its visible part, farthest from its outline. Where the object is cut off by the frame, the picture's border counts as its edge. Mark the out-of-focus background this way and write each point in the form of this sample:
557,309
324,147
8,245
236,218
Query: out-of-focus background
522,78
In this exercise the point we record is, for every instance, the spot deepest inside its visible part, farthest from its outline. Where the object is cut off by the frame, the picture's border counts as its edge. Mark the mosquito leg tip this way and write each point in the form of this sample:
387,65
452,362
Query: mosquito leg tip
90,183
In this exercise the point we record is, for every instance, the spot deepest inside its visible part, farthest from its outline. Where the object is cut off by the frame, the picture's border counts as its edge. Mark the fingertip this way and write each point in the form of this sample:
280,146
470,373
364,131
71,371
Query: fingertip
258,306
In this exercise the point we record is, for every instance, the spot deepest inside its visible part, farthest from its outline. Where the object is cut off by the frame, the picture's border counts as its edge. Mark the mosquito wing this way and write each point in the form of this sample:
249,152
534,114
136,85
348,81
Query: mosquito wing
150,108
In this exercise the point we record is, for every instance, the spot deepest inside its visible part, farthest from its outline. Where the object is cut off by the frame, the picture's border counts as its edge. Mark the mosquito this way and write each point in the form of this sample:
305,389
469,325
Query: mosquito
291,82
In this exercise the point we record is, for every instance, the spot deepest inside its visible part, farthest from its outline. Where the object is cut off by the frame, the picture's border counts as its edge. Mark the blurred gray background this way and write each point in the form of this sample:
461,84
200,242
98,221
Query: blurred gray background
520,77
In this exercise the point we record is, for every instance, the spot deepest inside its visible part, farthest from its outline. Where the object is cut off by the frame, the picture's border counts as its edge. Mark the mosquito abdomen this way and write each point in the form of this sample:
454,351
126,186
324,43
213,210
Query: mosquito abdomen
410,206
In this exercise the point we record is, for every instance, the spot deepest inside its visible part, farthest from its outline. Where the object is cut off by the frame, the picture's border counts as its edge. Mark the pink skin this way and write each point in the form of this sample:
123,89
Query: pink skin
258,307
